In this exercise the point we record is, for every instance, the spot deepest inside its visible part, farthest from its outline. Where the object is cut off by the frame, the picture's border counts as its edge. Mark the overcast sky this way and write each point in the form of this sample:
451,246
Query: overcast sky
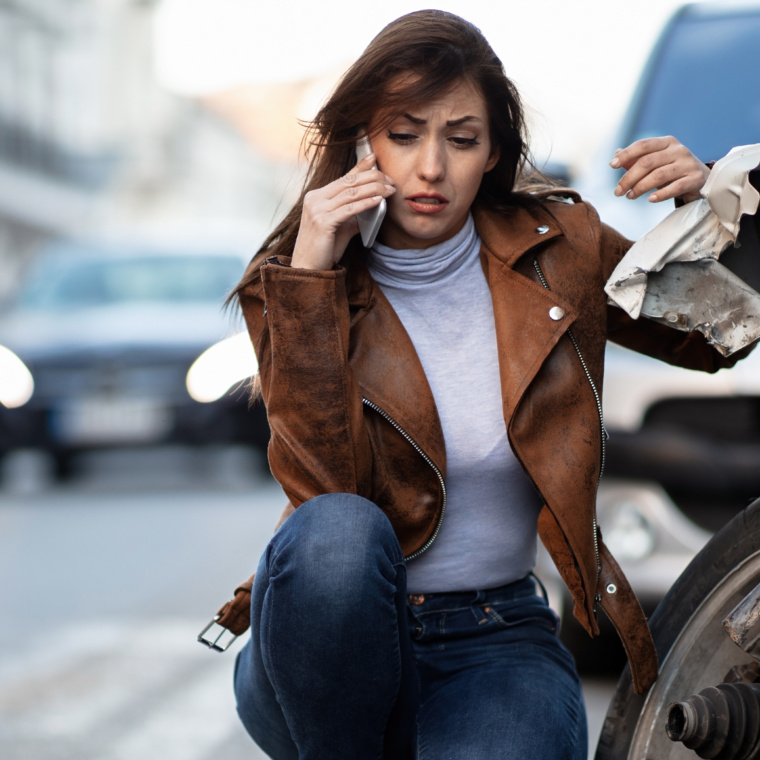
574,61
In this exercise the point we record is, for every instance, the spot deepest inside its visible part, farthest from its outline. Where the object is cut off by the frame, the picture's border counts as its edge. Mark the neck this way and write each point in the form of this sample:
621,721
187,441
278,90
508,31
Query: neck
418,266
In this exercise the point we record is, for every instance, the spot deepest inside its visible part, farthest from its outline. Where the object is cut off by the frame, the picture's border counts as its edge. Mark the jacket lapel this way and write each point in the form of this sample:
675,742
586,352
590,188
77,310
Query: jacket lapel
388,370
526,327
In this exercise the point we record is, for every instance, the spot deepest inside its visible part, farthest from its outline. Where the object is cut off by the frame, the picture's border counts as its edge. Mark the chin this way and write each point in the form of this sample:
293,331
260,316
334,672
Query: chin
419,232
437,231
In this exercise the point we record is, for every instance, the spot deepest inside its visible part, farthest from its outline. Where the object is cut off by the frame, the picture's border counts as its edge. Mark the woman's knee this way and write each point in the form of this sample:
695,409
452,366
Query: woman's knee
339,540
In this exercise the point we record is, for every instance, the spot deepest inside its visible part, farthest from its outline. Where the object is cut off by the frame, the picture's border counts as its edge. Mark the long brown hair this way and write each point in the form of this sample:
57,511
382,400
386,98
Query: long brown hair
438,49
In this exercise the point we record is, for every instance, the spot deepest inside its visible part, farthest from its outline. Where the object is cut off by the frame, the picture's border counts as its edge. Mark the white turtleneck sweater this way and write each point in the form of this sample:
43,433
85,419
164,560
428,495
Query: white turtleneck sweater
488,534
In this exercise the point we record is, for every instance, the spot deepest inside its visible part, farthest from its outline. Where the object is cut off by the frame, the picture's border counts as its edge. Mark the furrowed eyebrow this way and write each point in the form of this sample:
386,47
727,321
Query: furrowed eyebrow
450,123
457,122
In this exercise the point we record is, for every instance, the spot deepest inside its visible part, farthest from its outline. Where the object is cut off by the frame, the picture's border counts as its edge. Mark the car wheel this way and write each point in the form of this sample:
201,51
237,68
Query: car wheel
693,648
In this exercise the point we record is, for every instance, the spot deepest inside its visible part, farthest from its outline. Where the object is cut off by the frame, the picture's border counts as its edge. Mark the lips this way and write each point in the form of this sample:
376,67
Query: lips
427,203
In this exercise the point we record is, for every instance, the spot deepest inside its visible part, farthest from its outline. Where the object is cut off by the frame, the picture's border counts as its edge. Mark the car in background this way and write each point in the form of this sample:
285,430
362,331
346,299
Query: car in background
108,334
683,455
698,436
700,84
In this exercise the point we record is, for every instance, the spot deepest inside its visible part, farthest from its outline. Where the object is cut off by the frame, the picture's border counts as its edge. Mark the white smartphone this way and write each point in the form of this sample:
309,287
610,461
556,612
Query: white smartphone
371,219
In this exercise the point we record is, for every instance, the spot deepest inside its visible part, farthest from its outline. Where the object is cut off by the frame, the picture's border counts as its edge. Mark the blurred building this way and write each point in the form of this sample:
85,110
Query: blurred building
89,143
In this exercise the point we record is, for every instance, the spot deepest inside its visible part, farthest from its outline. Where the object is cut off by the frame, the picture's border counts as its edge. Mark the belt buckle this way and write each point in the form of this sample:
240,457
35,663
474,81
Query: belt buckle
212,640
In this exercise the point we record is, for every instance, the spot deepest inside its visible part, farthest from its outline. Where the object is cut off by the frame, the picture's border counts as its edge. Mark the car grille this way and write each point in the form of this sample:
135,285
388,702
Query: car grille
110,378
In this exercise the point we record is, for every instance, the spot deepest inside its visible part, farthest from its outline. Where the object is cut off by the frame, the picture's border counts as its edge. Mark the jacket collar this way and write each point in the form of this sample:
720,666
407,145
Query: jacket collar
509,238
506,238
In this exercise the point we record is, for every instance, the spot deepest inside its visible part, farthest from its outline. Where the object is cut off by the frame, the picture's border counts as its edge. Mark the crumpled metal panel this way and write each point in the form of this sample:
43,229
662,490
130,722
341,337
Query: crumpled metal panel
742,624
705,296
673,275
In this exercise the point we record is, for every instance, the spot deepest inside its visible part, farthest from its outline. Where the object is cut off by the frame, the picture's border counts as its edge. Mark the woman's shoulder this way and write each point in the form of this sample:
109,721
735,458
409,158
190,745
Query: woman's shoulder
563,202
565,195
574,215
556,206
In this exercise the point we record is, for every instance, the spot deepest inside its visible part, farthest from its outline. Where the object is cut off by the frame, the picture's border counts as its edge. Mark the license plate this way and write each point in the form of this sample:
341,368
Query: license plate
111,421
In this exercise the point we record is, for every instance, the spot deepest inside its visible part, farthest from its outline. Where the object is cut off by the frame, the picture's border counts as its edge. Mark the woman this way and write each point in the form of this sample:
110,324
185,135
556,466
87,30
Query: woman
455,368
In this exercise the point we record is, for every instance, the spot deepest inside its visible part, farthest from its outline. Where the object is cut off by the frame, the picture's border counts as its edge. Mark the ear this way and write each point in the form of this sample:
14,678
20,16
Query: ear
493,159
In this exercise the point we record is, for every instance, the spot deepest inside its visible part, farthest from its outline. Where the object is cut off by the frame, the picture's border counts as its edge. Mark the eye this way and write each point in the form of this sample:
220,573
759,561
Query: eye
401,137
464,142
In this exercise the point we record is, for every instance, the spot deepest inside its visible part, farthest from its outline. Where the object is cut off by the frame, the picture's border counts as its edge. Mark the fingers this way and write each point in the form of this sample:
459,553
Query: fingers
352,189
366,163
345,211
662,164
349,195
626,157
352,200
362,179
328,215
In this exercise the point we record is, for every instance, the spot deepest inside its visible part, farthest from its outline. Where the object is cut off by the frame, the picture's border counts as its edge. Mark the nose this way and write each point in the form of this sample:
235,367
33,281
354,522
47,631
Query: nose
431,161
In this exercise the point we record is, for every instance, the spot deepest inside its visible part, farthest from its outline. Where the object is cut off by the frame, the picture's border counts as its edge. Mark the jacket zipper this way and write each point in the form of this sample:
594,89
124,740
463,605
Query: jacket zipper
429,461
602,429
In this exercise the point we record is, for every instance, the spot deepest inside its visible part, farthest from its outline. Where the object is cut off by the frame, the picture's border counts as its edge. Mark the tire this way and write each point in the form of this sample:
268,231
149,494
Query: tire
693,649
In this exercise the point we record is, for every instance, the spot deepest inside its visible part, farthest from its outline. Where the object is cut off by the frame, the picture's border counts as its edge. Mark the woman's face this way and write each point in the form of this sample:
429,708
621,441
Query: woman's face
436,153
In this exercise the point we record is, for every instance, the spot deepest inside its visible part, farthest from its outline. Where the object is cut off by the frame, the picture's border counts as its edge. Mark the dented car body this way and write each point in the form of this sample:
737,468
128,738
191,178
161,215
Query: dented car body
676,273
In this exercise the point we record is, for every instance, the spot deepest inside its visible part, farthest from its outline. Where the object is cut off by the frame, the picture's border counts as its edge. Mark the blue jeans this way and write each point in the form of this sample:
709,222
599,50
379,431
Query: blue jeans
342,664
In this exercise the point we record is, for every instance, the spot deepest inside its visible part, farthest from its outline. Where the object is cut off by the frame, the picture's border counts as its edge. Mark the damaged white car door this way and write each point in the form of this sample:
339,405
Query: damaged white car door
699,269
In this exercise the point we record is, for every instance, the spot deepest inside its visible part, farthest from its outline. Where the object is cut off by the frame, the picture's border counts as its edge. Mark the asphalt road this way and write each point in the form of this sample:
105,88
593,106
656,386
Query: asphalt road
104,584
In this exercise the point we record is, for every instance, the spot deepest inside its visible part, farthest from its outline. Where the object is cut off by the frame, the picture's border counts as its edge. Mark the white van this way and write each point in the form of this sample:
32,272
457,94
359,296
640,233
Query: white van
684,446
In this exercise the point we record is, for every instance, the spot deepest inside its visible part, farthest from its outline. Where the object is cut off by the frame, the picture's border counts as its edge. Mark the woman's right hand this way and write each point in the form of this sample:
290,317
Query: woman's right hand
328,219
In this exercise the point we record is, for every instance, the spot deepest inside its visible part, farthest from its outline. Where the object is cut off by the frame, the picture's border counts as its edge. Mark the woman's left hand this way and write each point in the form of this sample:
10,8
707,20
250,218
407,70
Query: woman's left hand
661,164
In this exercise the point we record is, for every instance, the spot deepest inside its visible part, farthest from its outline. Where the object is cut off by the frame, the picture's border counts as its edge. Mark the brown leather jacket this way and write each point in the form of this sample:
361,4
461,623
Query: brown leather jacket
350,409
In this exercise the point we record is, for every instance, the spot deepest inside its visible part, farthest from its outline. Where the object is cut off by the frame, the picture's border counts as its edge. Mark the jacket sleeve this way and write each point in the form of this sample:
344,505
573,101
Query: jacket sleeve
683,349
298,321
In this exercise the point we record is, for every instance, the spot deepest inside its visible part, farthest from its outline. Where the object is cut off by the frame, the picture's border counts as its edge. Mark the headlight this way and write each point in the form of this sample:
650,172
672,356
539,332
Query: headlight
223,366
16,382
628,534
